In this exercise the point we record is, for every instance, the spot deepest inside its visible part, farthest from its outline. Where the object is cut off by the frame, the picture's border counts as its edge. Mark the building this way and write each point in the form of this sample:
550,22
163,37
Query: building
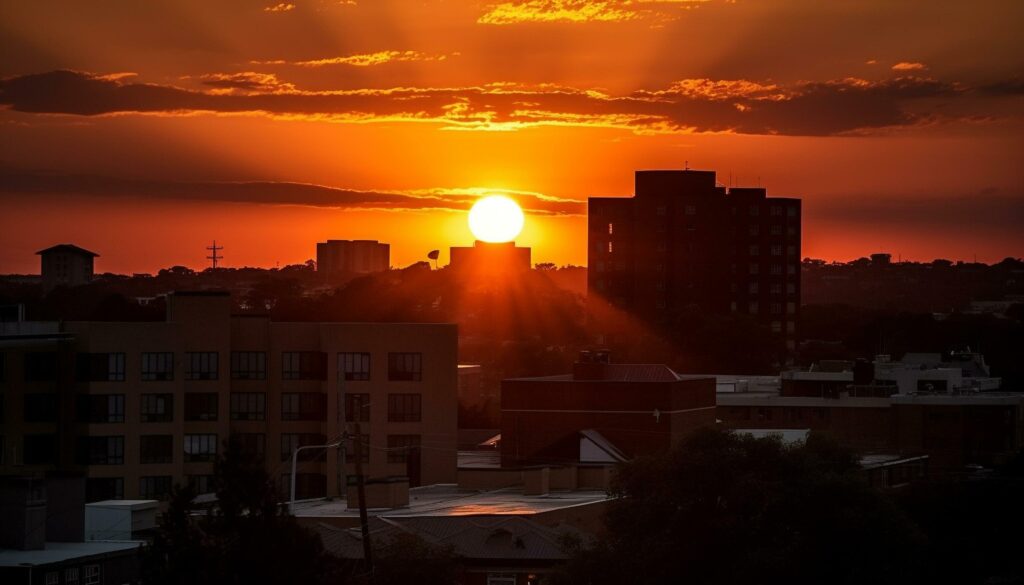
601,412
949,410
490,258
347,258
138,407
66,265
683,242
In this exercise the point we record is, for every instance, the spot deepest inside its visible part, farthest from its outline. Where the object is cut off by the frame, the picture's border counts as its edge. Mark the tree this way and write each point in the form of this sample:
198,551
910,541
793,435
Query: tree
245,538
726,509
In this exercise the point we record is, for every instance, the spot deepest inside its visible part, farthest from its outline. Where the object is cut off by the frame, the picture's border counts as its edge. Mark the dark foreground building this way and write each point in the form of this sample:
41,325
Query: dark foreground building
684,242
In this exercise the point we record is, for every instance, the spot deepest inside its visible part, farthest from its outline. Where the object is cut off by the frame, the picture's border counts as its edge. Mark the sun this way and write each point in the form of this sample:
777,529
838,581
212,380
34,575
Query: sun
496,219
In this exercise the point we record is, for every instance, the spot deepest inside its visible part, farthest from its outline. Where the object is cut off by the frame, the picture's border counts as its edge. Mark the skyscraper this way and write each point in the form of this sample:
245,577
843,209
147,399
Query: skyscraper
683,242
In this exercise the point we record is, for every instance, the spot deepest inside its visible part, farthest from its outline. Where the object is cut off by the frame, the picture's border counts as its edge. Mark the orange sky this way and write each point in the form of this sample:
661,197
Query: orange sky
144,130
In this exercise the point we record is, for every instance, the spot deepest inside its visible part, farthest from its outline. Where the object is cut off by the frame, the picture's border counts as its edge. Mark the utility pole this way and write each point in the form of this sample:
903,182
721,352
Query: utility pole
361,489
214,257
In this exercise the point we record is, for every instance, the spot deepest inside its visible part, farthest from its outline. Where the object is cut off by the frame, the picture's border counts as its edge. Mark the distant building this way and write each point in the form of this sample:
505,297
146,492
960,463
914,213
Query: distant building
138,407
487,257
341,258
683,242
66,265
601,413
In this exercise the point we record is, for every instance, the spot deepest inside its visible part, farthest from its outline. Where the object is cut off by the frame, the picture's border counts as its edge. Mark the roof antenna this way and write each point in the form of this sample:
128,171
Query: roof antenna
686,165
214,257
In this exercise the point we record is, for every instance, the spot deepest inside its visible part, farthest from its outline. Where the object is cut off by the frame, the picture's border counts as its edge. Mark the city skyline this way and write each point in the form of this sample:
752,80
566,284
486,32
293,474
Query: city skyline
269,127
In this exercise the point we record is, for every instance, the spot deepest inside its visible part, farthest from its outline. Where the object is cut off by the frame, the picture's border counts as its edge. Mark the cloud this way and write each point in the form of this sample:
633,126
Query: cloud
815,108
20,183
904,66
577,11
987,209
282,7
363,59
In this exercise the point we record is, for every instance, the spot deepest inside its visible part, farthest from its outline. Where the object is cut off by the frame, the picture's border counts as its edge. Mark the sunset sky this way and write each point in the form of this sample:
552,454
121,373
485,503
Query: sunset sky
144,130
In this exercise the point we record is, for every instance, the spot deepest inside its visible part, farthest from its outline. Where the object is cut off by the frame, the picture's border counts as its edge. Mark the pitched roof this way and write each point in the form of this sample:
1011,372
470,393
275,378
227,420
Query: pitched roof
68,248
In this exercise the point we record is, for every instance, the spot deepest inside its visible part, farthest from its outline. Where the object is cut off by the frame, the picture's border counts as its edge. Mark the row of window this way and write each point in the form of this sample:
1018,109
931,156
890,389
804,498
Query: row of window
89,574
204,365
204,406
158,487
754,308
159,449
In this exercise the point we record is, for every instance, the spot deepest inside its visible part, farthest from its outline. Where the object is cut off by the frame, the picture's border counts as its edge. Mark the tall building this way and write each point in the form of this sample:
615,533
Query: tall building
684,242
66,265
490,257
336,258
138,407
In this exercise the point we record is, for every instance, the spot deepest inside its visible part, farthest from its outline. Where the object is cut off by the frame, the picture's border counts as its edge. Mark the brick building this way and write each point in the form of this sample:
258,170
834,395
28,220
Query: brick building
601,413
138,407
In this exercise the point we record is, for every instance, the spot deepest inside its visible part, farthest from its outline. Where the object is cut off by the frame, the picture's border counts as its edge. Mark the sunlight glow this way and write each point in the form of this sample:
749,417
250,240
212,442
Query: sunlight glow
496,219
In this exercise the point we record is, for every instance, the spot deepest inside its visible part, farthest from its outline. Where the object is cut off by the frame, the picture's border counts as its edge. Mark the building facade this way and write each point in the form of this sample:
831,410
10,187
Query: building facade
340,258
490,258
683,242
66,265
601,413
139,407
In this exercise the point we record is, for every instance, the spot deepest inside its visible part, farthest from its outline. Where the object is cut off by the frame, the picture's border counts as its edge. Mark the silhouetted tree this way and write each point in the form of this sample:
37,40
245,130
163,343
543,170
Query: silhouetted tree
245,538
727,509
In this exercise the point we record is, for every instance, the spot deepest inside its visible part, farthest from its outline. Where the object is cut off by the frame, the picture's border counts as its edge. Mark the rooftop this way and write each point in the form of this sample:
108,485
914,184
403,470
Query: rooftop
56,552
622,373
450,500
68,248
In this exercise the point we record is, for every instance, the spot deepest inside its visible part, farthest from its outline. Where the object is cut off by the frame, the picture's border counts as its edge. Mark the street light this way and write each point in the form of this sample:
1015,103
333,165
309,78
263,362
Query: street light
295,460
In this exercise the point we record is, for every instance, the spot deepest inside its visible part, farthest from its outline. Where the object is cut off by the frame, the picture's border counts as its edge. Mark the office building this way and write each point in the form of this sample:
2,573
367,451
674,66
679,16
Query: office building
683,243
490,258
138,407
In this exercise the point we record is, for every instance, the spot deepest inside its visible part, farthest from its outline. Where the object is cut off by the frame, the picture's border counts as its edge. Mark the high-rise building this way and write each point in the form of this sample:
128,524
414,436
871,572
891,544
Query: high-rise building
684,242
341,258
137,407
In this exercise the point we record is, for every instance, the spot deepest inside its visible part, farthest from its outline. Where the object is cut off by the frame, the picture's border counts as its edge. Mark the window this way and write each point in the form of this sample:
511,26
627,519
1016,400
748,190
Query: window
776,326
404,408
201,365
303,365
501,579
202,484
753,229
71,576
354,367
92,575
777,250
252,445
790,327
791,250
660,210
248,365
790,308
357,407
405,366
776,229
292,441
754,210
790,288
791,230
776,210
611,228
753,288
157,366
752,307
156,449
52,578
39,449
776,308
248,406
304,406
99,367
201,406
100,450
40,366
40,407
691,210
755,250
776,269
200,447
791,211
155,487
611,248
101,408
776,288
755,269
791,269
157,407
399,447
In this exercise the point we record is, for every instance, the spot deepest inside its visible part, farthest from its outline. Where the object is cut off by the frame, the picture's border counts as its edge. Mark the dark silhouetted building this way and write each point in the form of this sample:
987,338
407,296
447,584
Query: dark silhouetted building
601,413
66,265
683,242
486,257
336,258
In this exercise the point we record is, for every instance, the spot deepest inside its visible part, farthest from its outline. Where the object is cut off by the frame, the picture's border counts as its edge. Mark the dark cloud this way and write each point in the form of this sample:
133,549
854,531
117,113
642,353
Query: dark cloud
701,105
987,210
19,183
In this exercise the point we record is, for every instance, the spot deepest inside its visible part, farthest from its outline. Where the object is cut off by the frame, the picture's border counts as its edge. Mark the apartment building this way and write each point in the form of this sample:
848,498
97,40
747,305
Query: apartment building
139,407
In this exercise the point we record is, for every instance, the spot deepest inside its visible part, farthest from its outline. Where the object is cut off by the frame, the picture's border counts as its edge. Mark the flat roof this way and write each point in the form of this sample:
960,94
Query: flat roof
450,500
57,552
772,399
